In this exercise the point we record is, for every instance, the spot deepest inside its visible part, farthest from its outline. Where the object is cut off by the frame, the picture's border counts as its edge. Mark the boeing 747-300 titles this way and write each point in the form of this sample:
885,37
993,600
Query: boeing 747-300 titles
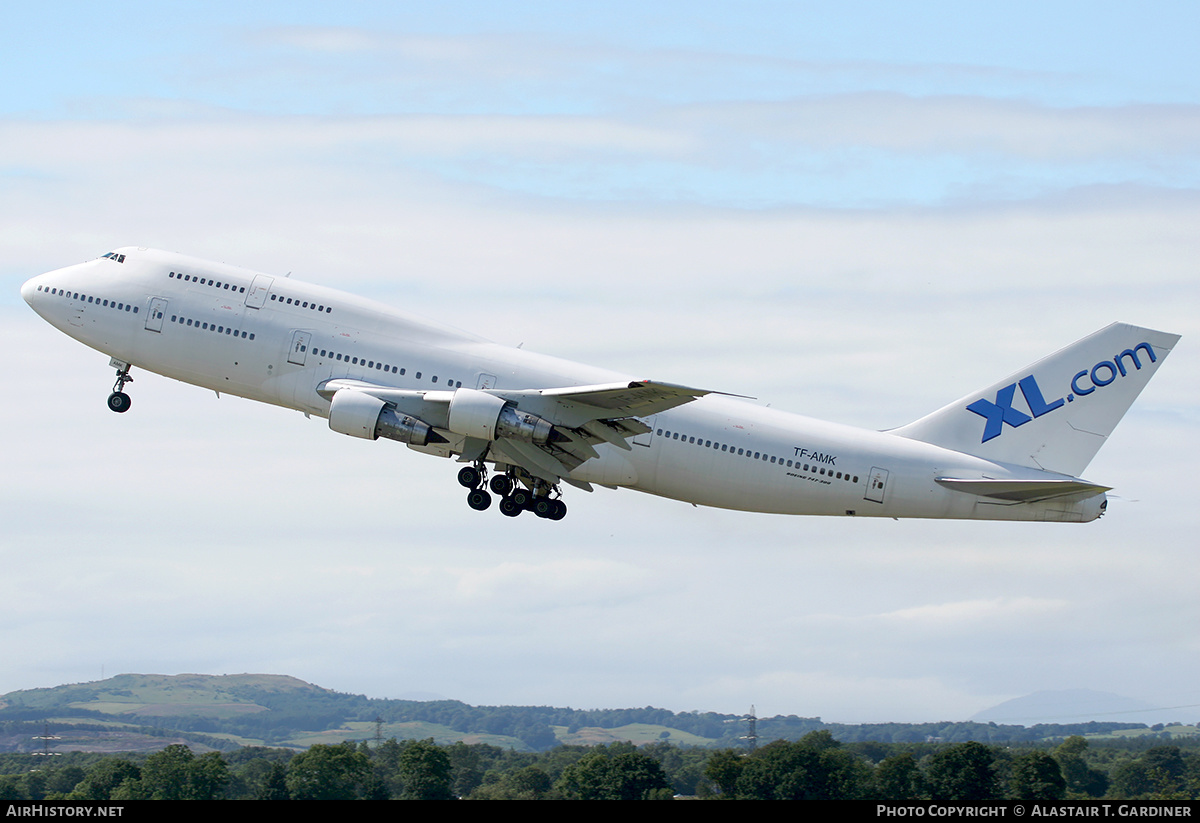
524,424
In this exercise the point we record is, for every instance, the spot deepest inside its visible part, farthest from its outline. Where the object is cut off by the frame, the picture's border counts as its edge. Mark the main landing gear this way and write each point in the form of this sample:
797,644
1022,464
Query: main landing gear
514,499
119,401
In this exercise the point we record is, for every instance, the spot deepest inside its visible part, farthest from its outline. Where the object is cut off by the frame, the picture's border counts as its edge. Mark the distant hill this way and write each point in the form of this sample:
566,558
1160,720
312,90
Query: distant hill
145,712
1074,705
216,711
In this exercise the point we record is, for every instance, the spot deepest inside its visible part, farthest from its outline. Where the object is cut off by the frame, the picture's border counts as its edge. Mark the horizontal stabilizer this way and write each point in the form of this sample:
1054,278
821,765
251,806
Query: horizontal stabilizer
1021,491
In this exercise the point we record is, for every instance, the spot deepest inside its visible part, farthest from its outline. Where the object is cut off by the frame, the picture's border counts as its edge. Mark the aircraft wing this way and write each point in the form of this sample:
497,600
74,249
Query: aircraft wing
582,417
574,405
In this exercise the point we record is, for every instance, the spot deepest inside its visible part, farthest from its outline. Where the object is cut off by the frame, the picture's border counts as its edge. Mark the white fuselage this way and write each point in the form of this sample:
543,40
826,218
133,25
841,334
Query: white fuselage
276,340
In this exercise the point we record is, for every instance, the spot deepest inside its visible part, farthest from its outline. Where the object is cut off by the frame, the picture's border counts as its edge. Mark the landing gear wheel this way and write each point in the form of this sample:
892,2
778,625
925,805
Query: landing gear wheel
521,498
479,500
560,510
119,401
501,484
469,477
509,507
543,507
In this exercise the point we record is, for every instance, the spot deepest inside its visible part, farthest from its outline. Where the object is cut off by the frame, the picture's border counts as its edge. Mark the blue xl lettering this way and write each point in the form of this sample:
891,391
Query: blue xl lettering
1100,375
1000,412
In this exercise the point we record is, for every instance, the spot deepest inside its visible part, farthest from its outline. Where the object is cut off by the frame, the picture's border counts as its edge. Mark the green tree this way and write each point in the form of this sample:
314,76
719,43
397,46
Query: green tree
465,772
207,777
327,773
1080,778
274,784
1159,773
1037,776
165,773
616,772
527,783
898,778
176,774
104,778
723,770
816,768
425,771
962,773
63,779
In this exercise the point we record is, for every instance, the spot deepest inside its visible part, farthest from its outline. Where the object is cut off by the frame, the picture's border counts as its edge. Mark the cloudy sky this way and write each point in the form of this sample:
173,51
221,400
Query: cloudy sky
855,211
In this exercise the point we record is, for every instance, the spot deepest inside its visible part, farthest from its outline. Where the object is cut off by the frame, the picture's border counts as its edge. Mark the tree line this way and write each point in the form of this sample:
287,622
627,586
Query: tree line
817,766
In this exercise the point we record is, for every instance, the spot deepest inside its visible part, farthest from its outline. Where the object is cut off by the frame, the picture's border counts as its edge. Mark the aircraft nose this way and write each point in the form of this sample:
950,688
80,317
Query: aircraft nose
29,289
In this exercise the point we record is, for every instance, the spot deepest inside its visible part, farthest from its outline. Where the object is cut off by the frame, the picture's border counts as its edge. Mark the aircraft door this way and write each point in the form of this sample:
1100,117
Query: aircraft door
154,317
256,296
299,348
876,485
486,381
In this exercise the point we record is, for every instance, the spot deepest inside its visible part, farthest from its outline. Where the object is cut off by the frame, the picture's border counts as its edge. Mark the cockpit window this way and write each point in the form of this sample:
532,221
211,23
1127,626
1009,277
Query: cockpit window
112,255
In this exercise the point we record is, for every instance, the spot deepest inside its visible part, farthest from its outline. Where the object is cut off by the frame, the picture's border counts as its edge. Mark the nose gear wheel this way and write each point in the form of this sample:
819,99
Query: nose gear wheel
119,401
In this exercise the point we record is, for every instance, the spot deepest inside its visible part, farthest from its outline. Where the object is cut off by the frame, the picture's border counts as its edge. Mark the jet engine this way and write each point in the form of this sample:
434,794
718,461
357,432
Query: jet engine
478,414
358,414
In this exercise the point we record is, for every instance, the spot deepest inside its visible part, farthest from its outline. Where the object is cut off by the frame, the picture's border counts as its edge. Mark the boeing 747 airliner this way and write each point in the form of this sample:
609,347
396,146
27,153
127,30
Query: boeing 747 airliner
1011,451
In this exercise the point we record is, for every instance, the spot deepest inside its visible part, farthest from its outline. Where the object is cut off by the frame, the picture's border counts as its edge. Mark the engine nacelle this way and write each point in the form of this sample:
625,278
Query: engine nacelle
359,414
484,416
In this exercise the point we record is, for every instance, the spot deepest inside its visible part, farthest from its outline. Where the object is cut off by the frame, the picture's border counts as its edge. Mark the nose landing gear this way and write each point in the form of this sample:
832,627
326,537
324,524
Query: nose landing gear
119,401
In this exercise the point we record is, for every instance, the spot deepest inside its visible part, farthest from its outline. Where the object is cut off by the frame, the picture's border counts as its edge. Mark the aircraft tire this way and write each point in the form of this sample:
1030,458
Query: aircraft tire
560,510
501,485
479,500
522,498
509,507
119,402
468,477
543,507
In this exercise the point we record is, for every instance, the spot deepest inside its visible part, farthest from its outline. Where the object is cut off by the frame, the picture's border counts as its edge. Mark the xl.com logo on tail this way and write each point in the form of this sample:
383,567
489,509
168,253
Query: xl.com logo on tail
996,414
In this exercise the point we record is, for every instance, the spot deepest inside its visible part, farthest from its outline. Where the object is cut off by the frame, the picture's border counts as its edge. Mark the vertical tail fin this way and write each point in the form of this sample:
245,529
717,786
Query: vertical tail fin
1055,414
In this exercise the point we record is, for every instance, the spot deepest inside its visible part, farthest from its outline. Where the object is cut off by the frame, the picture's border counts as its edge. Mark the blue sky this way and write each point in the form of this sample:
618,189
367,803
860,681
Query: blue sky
857,212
